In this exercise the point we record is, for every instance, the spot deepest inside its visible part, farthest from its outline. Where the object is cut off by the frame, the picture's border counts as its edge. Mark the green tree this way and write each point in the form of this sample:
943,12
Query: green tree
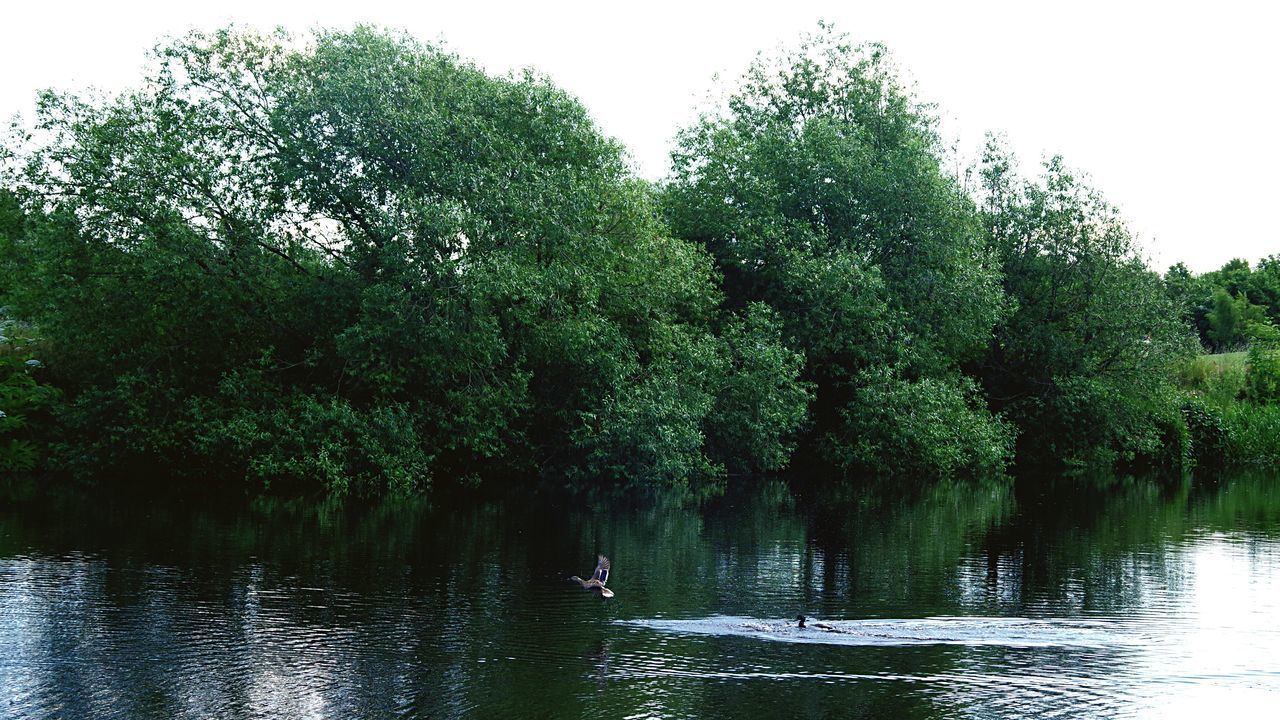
1235,276
757,395
819,189
363,263
1189,294
1232,319
1264,286
12,228
1083,367
1225,304
22,396
1262,375
1226,320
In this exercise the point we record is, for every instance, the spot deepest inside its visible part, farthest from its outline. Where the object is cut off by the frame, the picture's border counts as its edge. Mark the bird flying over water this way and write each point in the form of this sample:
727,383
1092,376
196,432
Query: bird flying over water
598,578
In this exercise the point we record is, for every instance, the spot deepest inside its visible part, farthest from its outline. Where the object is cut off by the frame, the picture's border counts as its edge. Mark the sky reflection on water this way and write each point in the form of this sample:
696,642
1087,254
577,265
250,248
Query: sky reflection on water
1130,600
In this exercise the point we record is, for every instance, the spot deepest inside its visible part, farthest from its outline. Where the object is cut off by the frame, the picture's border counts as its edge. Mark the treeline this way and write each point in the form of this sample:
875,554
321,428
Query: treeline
1229,306
363,265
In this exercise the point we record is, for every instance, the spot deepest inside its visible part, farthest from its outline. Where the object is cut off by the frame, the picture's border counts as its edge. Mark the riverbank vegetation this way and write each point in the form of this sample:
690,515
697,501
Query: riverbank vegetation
359,264
1232,387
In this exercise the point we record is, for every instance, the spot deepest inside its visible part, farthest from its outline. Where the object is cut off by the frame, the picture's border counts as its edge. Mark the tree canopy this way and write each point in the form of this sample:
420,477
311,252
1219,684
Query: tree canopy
1227,306
819,189
366,262
357,263
1084,365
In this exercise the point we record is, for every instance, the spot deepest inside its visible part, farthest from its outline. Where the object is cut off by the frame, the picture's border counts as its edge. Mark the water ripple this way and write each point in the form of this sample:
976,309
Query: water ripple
1010,632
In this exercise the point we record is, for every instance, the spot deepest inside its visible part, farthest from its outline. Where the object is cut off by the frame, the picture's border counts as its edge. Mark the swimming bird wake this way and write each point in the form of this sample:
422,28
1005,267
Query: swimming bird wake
1010,632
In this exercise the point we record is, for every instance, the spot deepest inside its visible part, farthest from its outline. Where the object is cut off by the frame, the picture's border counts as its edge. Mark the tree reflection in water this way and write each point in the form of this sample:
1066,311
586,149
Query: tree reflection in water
120,609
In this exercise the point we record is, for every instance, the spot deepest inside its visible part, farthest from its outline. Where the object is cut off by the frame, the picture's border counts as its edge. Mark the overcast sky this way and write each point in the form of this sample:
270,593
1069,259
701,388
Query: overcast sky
1170,108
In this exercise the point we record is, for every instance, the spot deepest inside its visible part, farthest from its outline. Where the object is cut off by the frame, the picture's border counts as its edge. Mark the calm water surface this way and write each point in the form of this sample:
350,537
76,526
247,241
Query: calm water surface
1129,600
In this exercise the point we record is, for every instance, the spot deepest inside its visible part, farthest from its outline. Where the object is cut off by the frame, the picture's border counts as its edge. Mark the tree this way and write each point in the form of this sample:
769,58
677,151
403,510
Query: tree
1187,292
22,396
1225,305
1262,378
1232,319
819,190
1083,366
1234,276
1264,286
363,263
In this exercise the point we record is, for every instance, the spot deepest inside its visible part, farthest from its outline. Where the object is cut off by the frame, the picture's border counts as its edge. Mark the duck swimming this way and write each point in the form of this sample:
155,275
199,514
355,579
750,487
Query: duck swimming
598,578
800,620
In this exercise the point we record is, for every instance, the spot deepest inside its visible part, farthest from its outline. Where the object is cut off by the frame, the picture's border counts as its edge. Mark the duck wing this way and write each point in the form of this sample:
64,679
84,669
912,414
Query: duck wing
602,569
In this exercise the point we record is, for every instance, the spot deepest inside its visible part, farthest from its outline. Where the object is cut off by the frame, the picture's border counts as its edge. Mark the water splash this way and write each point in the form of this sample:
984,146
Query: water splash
998,631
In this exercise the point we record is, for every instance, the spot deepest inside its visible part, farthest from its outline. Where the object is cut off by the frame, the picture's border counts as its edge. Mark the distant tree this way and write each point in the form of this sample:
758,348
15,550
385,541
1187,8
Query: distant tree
1226,320
1234,277
1262,378
1252,297
1187,292
1232,319
1264,287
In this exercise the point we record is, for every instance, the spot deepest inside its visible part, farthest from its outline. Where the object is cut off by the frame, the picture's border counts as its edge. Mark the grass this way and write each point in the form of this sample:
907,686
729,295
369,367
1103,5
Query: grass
1219,378
1228,361
1230,429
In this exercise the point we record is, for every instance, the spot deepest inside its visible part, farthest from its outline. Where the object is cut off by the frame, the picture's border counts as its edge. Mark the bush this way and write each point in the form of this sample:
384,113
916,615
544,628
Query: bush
1262,379
1253,433
760,403
1208,434
308,441
924,429
20,396
1218,378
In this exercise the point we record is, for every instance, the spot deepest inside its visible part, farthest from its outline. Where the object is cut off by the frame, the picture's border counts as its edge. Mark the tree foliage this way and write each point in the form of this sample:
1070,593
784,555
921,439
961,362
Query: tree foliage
819,190
1262,377
363,263
22,396
1085,363
1227,306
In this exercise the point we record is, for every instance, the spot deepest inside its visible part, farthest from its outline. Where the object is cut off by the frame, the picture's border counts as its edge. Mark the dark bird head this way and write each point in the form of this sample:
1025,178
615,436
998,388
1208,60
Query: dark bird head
800,619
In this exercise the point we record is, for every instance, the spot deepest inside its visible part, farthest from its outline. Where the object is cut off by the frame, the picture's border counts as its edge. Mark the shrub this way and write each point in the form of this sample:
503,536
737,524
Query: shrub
1219,378
924,429
309,441
1262,379
1253,433
1208,434
20,396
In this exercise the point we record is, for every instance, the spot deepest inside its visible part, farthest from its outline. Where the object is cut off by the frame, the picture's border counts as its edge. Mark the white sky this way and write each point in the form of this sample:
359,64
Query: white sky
1171,108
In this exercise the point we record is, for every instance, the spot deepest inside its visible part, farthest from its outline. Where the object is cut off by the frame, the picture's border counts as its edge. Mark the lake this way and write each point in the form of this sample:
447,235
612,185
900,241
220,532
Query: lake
1124,598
